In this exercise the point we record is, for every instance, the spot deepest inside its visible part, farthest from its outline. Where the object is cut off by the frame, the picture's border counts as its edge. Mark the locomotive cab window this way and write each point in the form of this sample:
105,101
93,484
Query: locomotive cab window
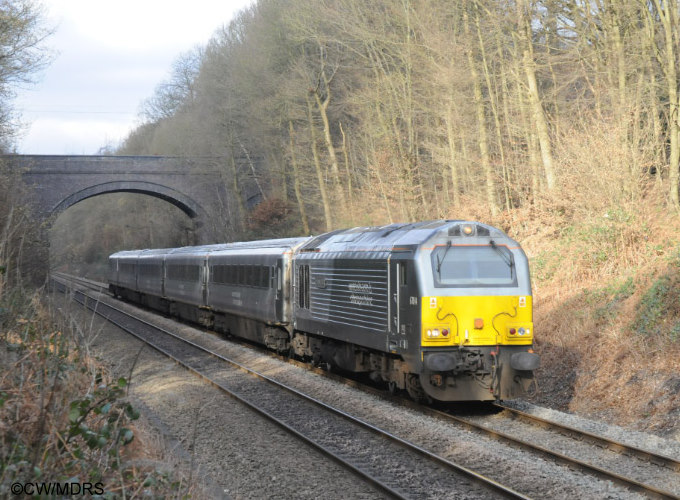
403,277
470,266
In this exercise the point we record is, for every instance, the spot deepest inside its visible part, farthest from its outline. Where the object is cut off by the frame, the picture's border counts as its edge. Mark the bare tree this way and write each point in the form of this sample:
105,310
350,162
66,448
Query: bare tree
23,54
667,12
178,91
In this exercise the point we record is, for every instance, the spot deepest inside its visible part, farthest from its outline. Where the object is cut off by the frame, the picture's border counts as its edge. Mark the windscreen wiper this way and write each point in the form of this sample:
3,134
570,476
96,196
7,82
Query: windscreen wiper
439,262
506,258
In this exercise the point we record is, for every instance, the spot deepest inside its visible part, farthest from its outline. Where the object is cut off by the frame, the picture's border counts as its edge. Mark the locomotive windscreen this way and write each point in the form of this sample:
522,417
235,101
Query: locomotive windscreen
469,266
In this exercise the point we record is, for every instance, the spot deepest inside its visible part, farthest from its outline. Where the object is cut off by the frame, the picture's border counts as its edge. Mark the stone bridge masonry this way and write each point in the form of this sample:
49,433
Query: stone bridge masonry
195,185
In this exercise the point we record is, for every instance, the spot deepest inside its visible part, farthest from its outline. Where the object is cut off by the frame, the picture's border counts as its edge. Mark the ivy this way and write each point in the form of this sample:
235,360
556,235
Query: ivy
97,419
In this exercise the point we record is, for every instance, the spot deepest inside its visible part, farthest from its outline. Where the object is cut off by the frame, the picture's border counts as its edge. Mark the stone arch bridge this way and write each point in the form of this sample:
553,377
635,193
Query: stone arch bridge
195,185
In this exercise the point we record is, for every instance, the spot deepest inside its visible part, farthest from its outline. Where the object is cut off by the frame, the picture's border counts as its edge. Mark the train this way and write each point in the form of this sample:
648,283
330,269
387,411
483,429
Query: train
440,309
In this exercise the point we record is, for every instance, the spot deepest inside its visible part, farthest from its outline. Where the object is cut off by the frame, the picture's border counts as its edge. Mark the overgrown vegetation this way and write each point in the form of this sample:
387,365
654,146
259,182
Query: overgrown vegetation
607,298
65,424
18,234
62,418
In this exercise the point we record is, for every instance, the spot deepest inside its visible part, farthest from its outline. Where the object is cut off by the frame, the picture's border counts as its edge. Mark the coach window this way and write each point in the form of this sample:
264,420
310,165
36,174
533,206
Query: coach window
265,276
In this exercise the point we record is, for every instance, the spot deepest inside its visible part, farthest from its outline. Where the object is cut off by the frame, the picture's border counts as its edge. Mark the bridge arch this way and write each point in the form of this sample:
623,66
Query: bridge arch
180,200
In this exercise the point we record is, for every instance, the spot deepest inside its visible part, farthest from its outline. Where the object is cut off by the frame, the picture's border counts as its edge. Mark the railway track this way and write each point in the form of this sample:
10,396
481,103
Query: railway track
597,440
394,465
650,475
647,472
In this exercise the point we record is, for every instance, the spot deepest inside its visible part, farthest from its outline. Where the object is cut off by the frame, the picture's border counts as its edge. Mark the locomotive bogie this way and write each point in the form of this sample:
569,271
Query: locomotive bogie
380,366
484,373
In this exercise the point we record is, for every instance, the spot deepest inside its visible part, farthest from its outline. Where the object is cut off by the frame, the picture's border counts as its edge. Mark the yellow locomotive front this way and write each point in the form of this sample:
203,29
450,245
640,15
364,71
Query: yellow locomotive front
476,332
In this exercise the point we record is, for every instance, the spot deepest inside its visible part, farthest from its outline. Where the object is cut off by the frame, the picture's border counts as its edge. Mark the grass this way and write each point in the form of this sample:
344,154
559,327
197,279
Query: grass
606,302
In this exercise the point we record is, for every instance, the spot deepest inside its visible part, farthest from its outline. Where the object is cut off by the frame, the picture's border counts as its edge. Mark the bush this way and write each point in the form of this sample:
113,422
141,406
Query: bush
63,420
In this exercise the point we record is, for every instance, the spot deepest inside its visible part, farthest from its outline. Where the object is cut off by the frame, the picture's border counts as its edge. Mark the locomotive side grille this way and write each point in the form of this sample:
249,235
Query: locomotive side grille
352,295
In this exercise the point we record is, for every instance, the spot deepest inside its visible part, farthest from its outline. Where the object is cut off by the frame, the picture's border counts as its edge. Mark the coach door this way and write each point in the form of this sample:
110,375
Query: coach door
398,304
277,284
204,280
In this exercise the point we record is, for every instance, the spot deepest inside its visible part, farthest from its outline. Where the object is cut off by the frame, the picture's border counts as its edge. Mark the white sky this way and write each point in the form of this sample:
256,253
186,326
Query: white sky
110,56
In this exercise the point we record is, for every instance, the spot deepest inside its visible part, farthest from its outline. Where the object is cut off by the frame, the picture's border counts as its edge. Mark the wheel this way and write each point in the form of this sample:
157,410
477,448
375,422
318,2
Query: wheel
415,390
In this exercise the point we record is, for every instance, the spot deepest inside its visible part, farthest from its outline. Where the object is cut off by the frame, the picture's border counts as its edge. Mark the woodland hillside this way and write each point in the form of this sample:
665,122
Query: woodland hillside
423,107
556,120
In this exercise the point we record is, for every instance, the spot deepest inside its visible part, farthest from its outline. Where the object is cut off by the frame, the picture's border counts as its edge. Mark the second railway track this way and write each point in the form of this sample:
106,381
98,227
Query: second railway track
410,487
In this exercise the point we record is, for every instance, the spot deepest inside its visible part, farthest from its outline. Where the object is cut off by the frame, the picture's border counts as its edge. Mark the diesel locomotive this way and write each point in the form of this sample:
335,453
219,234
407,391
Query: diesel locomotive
441,309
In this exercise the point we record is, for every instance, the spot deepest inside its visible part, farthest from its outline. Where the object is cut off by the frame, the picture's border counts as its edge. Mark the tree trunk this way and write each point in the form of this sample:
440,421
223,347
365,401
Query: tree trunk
322,106
493,101
296,181
538,115
348,171
483,140
238,194
668,14
319,171
453,158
